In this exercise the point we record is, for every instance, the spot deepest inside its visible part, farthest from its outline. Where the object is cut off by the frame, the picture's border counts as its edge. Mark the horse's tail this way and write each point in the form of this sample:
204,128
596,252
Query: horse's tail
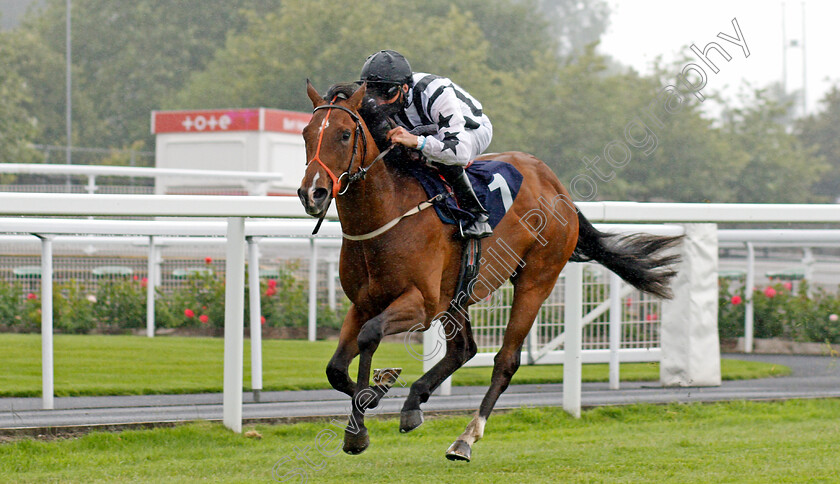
636,258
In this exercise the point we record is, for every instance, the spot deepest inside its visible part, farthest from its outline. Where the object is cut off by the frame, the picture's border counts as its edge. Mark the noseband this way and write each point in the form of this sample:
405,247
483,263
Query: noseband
351,177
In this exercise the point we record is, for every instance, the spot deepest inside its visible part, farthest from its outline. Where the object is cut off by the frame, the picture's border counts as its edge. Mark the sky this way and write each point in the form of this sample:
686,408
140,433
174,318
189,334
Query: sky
641,30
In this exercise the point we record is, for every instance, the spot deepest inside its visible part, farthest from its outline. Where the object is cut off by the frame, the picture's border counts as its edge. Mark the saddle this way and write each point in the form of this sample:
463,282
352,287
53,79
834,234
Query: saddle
496,184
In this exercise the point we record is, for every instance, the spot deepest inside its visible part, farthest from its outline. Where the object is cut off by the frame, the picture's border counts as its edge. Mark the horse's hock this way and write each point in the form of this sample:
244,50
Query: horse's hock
689,335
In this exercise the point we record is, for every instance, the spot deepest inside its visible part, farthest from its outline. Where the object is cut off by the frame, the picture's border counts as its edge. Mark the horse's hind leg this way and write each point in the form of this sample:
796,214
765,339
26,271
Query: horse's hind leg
460,347
526,304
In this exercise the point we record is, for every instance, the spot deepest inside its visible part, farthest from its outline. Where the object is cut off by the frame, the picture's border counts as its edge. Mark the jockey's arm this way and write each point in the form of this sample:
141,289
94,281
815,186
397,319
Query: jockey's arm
449,145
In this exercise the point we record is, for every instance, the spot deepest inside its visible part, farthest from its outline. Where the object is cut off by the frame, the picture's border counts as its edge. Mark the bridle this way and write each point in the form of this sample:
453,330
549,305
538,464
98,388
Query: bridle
362,171
336,180
351,177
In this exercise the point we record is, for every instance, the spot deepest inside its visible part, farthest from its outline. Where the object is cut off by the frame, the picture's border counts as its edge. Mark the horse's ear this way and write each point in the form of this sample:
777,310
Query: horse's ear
316,98
355,100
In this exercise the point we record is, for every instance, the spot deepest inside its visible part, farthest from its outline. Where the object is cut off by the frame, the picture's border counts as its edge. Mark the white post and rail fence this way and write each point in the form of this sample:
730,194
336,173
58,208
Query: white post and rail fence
693,308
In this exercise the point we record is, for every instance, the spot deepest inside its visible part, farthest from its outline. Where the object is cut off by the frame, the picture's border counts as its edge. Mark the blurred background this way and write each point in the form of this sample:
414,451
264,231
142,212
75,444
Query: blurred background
559,78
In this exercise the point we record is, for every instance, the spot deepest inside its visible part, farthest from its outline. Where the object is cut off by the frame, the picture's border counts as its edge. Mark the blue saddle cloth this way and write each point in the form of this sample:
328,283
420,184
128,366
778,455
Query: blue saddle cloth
496,184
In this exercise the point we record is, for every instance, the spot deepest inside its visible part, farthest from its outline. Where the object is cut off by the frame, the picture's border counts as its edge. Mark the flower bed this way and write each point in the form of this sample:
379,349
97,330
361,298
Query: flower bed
118,305
807,315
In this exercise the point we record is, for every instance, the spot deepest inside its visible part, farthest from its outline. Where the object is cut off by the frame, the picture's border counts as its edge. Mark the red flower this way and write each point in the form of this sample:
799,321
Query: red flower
788,285
208,260
736,300
189,313
652,317
144,282
769,292
629,302
31,296
272,283
270,292
204,318
136,277
262,320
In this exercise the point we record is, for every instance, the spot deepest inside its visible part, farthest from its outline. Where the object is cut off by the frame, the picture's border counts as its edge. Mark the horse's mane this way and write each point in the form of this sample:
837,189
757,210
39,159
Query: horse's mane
376,121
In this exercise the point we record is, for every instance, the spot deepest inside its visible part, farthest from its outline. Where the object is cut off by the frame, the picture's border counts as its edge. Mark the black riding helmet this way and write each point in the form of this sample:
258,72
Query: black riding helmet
387,66
385,71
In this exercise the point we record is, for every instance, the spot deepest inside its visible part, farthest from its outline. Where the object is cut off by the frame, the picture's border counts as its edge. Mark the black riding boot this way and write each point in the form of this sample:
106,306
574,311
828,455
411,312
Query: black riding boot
457,177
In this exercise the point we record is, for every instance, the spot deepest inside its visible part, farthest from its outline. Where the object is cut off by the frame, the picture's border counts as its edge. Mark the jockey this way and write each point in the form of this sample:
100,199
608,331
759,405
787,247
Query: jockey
456,129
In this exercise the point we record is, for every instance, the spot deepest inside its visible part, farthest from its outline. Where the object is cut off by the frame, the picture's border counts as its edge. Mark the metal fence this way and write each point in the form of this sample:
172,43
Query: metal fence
88,261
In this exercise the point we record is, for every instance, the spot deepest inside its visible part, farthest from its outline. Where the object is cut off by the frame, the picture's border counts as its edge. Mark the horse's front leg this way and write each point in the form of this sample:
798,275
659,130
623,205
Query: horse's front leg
347,349
401,315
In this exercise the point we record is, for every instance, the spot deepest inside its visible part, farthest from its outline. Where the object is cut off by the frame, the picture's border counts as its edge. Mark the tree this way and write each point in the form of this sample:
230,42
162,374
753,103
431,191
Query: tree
821,132
127,56
17,127
576,23
780,168
267,64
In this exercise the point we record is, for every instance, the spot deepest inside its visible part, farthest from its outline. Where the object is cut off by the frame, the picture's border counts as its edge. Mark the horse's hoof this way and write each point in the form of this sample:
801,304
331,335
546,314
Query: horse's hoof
357,443
410,420
459,450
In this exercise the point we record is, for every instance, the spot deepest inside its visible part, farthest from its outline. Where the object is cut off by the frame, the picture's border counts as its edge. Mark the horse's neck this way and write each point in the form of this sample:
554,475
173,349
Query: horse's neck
372,202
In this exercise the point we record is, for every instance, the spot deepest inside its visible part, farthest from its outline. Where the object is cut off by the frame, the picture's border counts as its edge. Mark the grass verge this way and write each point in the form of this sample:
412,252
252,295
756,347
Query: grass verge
792,441
128,365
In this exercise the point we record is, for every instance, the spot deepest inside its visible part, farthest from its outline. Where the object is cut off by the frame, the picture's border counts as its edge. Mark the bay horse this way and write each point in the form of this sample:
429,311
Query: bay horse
399,272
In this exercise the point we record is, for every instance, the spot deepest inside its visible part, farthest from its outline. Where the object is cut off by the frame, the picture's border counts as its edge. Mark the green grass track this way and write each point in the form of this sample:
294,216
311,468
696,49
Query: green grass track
131,365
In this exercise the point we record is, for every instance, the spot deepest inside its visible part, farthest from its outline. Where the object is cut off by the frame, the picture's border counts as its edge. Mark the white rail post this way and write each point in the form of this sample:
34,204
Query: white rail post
749,290
256,311
574,333
689,330
234,337
47,376
331,275
808,261
313,289
151,283
615,330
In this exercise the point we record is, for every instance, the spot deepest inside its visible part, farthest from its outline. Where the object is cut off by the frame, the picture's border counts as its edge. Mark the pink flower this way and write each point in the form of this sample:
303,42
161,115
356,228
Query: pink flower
833,317
769,292
788,285
270,292
736,300
272,283
204,318
262,320
652,317
144,282
208,260
136,277
31,296
629,302
189,313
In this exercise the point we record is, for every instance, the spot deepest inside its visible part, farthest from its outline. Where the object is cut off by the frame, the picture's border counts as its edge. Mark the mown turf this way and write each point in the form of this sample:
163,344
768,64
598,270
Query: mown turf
126,365
794,441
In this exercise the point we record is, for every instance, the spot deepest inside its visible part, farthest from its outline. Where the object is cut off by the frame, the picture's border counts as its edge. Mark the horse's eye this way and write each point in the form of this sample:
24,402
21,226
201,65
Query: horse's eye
345,136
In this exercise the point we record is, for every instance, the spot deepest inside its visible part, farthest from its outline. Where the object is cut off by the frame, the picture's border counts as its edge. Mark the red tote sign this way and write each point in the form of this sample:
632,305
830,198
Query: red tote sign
214,121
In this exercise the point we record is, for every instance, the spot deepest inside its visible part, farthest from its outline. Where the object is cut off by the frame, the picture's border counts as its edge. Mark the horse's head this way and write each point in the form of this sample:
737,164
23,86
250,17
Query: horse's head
335,140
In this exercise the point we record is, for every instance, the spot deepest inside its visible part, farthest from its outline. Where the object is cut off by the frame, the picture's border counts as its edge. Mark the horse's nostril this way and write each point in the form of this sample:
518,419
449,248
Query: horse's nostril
319,194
